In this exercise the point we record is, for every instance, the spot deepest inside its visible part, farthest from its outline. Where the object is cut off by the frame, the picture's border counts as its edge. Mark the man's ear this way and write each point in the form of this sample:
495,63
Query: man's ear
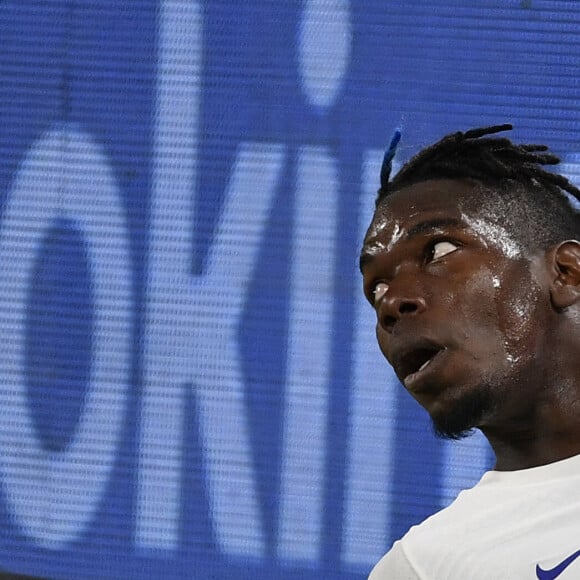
565,288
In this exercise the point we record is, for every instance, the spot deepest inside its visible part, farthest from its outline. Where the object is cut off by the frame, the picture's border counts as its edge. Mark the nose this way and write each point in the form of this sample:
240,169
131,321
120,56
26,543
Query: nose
398,304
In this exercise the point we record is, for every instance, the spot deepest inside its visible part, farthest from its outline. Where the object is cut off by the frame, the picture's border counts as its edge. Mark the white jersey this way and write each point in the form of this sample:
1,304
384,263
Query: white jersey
513,525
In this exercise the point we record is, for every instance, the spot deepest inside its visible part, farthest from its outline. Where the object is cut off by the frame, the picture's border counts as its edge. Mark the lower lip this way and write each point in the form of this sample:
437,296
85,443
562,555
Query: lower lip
413,381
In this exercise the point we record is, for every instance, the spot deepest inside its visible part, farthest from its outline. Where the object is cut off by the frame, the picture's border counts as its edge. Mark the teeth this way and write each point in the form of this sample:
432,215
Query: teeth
424,365
411,376
418,370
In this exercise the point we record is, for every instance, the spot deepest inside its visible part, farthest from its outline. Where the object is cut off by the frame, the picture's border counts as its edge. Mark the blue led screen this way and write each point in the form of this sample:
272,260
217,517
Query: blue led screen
189,381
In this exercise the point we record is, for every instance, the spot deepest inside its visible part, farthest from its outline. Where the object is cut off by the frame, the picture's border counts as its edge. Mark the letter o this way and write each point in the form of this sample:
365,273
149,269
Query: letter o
53,495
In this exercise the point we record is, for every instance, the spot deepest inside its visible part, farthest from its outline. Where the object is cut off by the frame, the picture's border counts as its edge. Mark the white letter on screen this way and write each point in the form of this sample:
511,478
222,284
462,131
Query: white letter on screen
53,495
312,296
192,339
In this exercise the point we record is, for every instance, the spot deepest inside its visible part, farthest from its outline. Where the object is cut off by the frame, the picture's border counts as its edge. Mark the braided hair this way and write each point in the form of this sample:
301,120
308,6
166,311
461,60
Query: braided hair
515,172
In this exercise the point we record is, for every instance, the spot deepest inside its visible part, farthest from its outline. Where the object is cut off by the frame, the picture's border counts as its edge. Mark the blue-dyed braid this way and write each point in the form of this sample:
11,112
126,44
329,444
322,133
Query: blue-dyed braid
387,165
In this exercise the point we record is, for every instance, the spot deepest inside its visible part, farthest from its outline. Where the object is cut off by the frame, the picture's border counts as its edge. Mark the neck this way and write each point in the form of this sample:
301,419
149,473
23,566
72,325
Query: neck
551,432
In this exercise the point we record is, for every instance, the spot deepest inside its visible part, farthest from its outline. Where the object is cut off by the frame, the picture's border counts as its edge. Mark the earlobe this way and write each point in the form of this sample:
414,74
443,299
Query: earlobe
565,288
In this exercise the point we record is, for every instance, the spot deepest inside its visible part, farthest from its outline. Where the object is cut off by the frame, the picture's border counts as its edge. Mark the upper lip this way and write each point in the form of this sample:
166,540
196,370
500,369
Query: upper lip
407,357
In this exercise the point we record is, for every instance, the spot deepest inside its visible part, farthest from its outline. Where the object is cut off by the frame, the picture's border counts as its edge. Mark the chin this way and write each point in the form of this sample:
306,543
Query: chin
451,432
457,419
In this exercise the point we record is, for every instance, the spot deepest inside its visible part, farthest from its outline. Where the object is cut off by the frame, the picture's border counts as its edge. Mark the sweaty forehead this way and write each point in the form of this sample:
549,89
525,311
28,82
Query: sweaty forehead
439,205
443,198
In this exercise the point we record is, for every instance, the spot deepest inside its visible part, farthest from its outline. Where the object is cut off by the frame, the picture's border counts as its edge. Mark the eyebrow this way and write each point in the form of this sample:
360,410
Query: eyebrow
425,227
432,225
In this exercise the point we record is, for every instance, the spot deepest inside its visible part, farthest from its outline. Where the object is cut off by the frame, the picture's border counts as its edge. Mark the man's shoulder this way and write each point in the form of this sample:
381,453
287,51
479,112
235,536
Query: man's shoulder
401,560
502,527
394,564
423,545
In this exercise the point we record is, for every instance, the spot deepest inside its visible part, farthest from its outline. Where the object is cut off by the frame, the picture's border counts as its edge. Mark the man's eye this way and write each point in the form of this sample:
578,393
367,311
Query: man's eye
379,291
440,249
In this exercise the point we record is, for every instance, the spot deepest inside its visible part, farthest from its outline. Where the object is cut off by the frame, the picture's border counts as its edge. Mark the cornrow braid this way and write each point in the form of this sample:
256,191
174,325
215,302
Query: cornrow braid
474,154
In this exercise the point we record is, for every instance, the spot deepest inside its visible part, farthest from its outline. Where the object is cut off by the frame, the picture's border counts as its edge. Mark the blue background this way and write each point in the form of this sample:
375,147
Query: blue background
92,69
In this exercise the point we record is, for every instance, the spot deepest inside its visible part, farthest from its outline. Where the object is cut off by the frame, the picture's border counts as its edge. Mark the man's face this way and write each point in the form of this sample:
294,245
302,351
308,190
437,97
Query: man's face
460,304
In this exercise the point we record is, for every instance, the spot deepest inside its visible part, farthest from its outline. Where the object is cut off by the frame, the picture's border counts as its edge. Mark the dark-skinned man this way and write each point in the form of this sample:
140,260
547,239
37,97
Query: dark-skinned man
472,264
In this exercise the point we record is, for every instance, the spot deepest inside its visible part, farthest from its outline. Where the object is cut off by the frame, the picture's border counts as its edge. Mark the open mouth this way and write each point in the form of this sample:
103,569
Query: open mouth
416,362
